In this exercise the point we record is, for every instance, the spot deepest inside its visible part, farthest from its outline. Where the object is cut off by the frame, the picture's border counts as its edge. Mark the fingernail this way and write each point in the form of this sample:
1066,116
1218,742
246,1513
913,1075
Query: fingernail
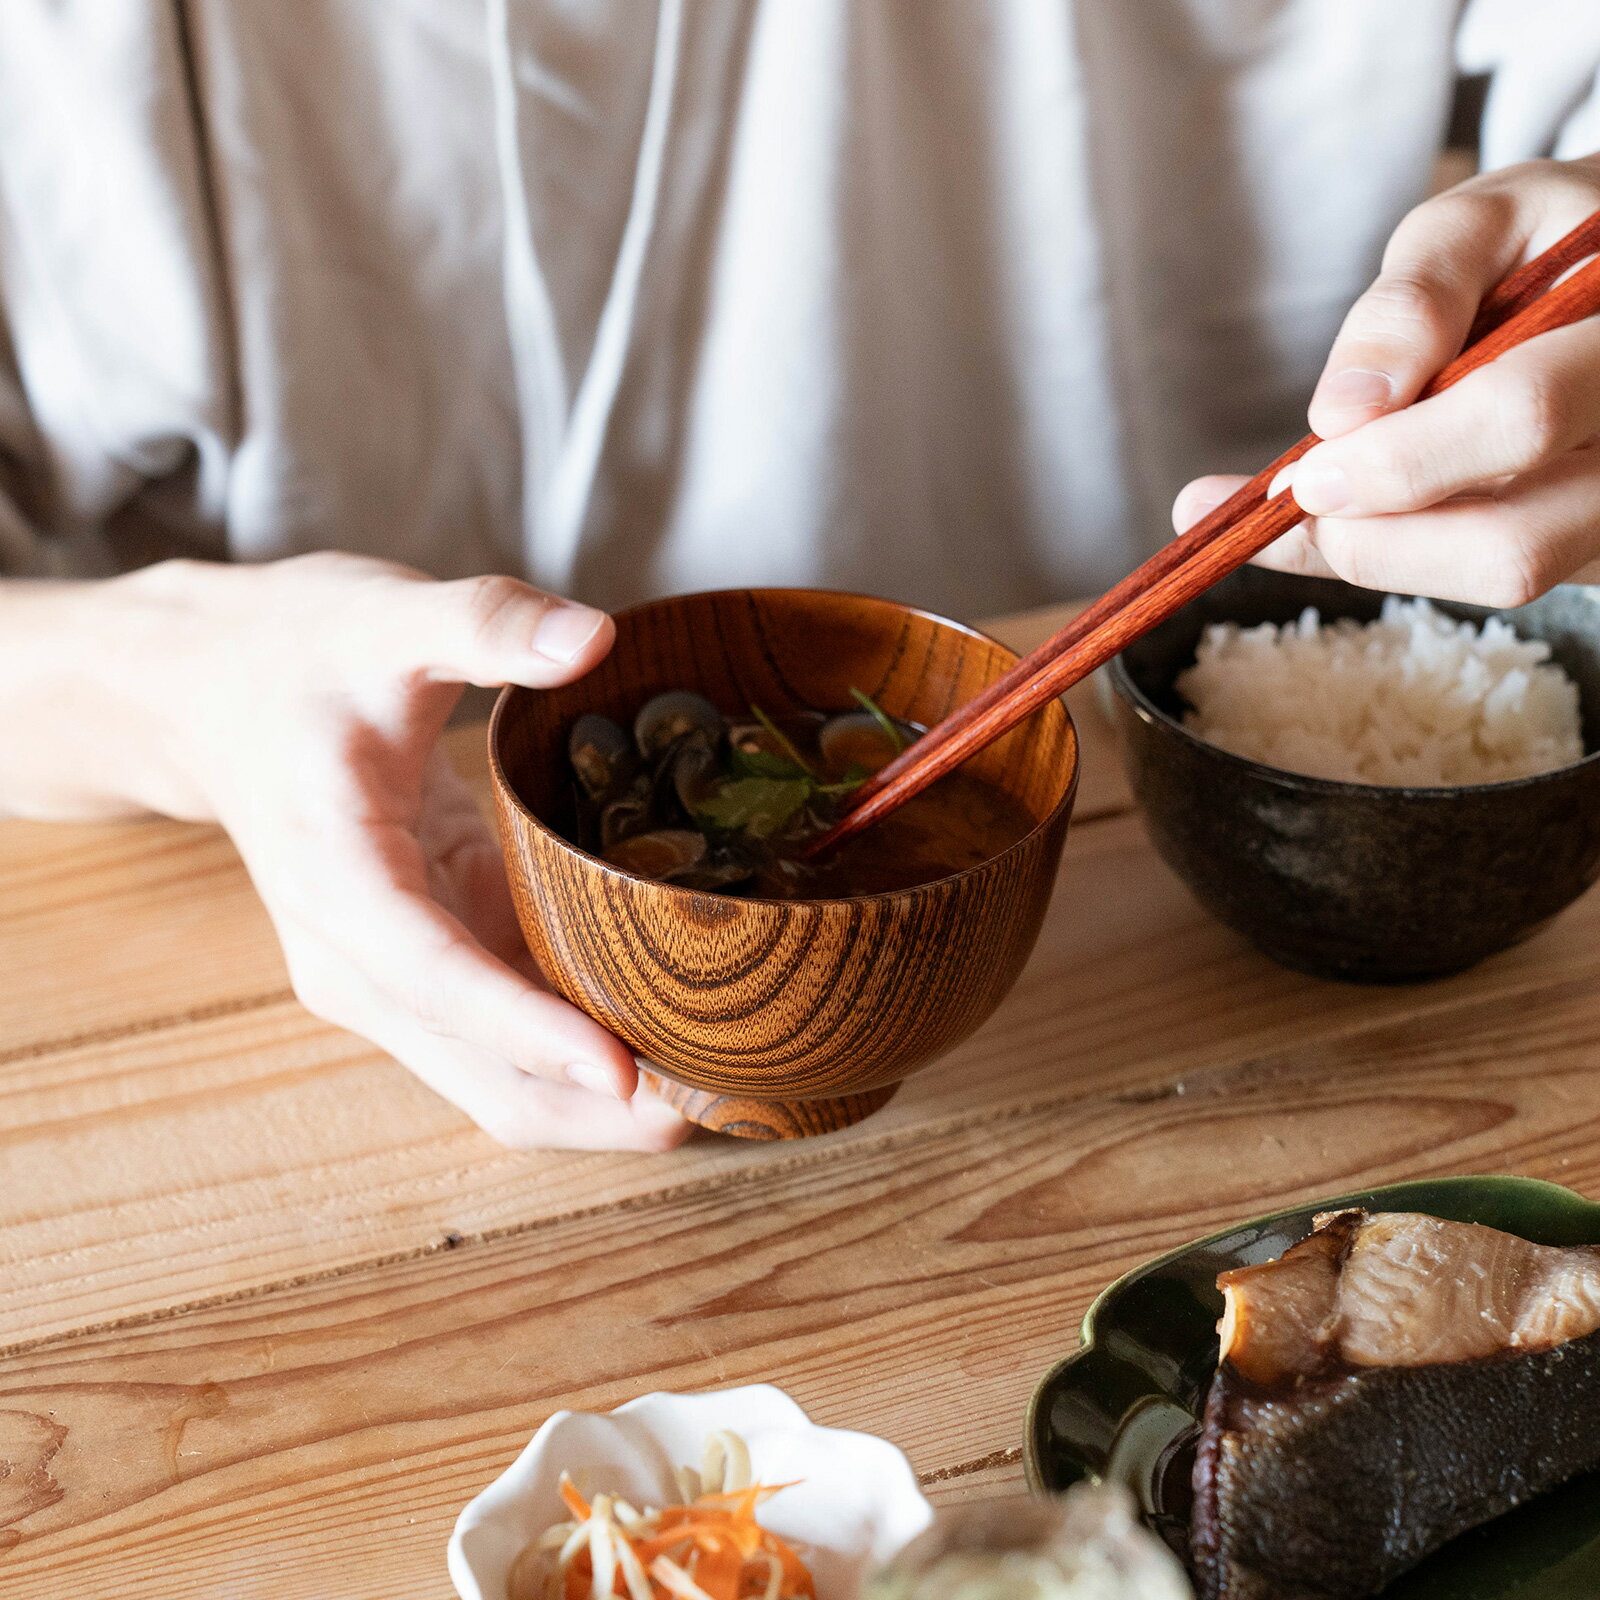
595,1079
564,630
1282,481
1357,389
1320,488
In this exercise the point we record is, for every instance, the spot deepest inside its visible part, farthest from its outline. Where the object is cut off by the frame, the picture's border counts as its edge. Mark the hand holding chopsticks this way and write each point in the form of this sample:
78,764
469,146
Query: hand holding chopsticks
1245,524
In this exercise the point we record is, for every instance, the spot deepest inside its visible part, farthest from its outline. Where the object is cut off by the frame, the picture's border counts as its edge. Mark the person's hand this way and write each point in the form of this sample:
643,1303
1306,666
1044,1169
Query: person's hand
1489,492
300,704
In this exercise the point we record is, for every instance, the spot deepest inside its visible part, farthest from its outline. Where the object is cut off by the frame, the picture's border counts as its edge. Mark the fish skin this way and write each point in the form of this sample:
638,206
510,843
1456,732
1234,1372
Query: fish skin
1330,1489
1386,1384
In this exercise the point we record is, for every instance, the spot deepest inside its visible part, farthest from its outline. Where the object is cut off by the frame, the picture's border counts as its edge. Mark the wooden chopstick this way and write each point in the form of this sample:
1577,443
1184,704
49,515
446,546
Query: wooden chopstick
1511,296
1242,526
1532,278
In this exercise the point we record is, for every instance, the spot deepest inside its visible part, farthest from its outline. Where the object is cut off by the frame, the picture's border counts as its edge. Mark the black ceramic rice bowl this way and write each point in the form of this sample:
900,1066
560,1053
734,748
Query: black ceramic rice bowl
1352,880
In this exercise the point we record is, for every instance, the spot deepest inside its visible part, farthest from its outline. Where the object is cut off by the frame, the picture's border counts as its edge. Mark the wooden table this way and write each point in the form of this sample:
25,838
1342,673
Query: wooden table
271,1313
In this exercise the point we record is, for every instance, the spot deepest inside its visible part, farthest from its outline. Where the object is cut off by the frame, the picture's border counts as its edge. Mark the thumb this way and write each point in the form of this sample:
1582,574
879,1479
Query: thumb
1201,497
496,630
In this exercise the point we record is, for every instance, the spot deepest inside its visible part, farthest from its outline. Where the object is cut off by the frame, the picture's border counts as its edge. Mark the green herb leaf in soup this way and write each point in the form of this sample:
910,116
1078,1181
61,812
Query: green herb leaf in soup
891,730
759,806
762,764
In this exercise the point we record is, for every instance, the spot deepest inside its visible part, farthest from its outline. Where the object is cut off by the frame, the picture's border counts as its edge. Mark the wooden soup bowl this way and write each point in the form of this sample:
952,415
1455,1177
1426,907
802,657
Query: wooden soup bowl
776,1019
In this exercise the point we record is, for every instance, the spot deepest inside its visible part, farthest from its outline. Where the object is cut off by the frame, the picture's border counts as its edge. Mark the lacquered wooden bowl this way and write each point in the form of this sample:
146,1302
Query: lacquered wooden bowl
780,1018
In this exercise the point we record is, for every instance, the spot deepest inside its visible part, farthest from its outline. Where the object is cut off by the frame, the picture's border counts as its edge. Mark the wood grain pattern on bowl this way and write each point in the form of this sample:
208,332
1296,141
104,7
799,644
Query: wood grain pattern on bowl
826,1002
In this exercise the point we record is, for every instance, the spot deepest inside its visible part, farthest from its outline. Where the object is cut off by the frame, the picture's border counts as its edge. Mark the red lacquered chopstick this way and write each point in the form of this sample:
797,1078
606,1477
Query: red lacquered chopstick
1532,278
1152,592
1508,298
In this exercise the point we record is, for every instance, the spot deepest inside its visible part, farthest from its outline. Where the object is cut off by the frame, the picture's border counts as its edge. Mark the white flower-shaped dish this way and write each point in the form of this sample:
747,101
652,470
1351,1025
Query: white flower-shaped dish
854,1503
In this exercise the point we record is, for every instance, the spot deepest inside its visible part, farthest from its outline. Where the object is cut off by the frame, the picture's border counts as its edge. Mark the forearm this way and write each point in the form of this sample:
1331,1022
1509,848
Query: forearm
81,733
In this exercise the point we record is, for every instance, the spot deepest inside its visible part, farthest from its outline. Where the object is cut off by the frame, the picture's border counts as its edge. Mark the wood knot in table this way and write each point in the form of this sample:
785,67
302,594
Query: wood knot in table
28,1444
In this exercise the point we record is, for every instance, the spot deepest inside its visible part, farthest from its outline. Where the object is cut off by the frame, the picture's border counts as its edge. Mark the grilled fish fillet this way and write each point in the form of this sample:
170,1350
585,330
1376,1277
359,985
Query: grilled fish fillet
1386,1384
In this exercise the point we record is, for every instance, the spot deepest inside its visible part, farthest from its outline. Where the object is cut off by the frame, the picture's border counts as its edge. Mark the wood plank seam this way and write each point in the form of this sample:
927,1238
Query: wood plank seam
1191,1076
1040,1240
238,1006
964,1469
1221,1080
804,1158
1225,1080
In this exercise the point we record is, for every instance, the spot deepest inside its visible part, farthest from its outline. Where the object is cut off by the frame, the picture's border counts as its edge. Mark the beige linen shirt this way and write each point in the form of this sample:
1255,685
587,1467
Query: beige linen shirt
939,298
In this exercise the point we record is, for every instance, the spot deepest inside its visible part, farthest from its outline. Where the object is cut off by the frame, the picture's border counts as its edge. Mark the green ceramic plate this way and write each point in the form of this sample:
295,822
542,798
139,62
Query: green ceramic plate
1125,1405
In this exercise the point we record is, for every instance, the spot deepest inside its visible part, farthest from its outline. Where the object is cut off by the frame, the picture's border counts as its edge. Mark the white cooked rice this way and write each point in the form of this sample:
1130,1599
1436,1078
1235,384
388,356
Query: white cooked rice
1416,698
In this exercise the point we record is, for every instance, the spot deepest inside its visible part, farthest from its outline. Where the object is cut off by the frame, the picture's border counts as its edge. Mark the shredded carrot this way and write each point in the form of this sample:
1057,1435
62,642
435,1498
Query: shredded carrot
711,1548
574,1502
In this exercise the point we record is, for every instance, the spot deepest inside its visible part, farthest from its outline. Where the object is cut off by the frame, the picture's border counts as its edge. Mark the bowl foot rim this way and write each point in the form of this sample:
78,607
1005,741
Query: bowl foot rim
746,1117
